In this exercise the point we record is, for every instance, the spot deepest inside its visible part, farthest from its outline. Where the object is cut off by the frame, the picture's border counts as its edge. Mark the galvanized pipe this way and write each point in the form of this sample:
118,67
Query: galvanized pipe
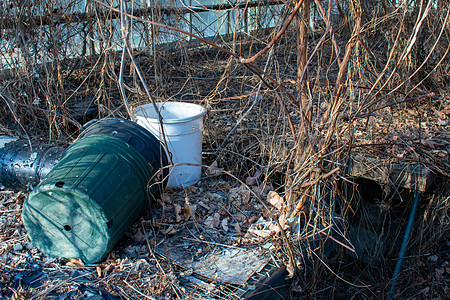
23,166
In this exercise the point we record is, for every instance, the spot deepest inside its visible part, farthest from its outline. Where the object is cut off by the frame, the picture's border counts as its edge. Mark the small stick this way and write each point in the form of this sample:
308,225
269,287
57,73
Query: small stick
275,39
139,292
212,243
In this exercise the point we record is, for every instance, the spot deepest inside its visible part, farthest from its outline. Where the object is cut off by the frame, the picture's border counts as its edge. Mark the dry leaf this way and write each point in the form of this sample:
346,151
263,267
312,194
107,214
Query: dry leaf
275,200
193,208
224,186
251,219
260,220
213,170
291,81
166,198
239,196
204,205
262,188
189,211
170,231
261,232
209,222
237,227
216,220
75,262
239,217
429,143
99,271
224,224
273,227
138,236
291,270
177,209
251,180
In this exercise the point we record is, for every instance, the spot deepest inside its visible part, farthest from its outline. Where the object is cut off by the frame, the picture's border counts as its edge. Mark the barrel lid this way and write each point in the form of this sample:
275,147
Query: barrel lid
66,223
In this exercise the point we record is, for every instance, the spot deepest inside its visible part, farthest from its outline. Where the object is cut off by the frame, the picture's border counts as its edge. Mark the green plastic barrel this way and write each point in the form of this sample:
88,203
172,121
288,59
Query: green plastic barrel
89,199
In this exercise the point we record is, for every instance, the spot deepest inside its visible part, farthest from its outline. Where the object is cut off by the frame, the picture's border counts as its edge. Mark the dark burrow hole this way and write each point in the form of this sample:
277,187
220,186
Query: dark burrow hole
109,224
60,184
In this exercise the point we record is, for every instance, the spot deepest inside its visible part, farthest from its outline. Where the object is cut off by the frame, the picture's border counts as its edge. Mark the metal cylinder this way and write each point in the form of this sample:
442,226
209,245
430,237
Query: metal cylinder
23,166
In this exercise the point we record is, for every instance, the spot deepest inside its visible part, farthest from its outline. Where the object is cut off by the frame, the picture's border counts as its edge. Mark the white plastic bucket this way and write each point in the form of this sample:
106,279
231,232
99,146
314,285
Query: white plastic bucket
5,139
183,128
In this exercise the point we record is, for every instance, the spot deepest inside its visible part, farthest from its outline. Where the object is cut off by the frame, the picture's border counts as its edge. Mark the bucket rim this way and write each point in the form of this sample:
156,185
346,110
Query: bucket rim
6,139
151,119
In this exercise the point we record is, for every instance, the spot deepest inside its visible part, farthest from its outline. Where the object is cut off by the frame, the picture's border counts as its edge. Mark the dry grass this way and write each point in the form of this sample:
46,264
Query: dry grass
377,86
